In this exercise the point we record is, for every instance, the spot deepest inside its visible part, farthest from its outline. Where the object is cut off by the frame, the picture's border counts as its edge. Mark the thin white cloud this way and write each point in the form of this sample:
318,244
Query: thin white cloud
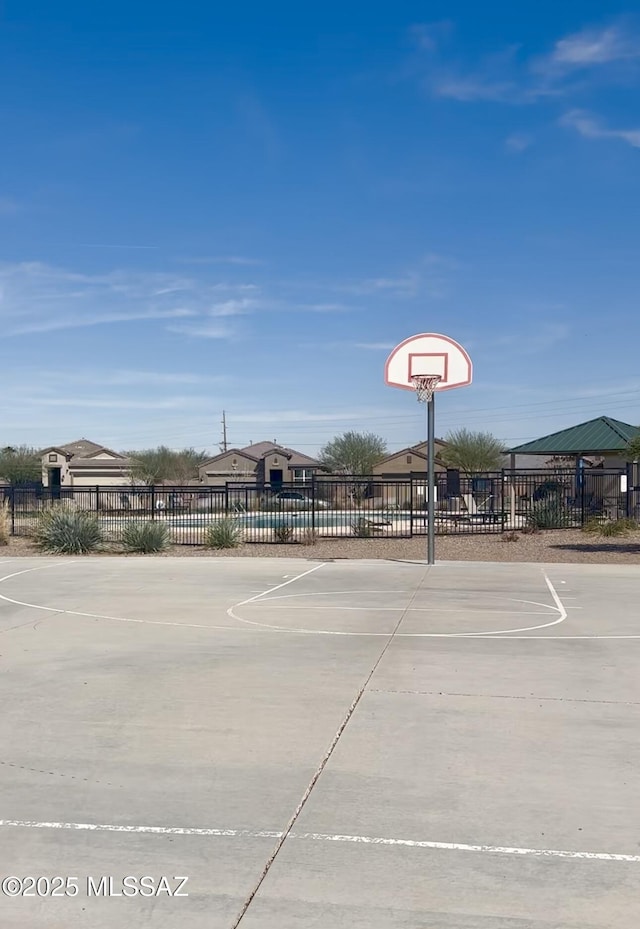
429,276
233,307
240,260
234,288
9,206
404,286
591,47
111,403
518,142
428,36
590,127
203,330
116,378
40,298
81,322
91,245
275,417
471,88
259,125
544,337
511,76
375,346
326,308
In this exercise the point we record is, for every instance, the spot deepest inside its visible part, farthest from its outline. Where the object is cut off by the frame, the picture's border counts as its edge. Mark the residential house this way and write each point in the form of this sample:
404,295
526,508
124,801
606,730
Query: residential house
83,464
262,464
401,466
409,462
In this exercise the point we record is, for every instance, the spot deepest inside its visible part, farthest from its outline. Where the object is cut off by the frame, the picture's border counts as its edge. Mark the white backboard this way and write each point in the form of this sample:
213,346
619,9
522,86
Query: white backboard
428,353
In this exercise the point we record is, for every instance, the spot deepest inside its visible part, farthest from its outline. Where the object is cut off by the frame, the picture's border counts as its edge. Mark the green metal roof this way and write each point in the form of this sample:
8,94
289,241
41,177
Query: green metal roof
594,437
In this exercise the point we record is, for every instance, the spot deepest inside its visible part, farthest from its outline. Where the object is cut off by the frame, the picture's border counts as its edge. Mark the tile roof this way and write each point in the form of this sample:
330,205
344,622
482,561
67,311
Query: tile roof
81,447
260,449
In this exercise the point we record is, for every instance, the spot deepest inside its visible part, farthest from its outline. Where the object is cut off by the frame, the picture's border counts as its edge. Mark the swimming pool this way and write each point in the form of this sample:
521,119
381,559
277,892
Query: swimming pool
302,520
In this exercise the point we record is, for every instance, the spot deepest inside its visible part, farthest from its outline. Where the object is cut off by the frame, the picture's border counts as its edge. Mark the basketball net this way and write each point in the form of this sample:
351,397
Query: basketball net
425,384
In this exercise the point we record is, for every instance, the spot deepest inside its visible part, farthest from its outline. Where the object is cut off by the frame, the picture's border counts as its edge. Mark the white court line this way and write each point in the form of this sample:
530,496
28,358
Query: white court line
121,619
497,633
118,619
397,609
416,609
325,837
296,577
146,622
155,830
580,638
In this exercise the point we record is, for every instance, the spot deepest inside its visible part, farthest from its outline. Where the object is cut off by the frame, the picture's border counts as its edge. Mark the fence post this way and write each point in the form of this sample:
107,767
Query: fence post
12,498
512,491
410,507
97,498
313,502
153,501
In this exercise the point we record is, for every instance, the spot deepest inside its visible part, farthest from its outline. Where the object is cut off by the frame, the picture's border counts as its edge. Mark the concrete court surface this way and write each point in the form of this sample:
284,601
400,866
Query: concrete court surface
333,745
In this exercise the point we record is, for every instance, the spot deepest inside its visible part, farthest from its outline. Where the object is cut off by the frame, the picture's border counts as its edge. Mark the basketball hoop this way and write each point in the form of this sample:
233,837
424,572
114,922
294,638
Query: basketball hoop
424,385
425,363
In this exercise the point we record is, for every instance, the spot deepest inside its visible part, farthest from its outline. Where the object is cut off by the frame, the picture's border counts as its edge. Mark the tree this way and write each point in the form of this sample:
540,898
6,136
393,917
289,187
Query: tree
472,452
20,465
186,464
633,449
156,465
354,453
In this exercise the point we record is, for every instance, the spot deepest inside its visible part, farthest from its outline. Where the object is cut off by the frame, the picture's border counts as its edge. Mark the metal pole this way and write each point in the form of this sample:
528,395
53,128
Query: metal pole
431,480
512,492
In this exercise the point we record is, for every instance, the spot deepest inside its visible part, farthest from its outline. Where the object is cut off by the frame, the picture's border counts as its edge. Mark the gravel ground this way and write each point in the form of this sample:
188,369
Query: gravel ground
557,546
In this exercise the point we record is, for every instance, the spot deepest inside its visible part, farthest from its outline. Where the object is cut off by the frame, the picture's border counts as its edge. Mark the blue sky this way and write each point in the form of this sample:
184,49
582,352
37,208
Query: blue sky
245,206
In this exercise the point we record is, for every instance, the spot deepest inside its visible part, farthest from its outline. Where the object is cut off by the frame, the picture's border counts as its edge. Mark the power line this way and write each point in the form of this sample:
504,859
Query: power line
450,419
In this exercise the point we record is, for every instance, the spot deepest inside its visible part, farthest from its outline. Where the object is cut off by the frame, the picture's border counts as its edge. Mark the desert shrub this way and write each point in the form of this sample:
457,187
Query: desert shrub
66,531
145,537
510,537
362,528
224,533
530,529
283,533
549,513
5,522
309,537
610,528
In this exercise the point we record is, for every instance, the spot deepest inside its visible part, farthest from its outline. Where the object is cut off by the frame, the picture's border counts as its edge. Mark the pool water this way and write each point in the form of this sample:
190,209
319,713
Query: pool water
304,519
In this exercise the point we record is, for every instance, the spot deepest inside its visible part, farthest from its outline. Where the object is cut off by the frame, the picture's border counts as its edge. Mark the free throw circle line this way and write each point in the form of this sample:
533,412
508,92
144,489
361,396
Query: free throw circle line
559,608
413,609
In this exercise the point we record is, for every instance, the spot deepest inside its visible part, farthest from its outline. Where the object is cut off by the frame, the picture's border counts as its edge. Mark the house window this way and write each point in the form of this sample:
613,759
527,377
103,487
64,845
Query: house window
302,475
53,457
409,459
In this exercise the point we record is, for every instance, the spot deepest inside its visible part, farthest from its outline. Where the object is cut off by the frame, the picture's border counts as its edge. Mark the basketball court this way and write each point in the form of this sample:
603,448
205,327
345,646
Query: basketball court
336,745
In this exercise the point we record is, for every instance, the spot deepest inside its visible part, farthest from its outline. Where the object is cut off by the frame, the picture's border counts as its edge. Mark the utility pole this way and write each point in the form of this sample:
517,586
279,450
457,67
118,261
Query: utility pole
224,432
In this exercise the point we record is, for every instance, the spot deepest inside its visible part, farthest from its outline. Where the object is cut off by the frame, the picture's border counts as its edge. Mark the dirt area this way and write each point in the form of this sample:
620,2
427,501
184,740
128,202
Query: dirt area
560,545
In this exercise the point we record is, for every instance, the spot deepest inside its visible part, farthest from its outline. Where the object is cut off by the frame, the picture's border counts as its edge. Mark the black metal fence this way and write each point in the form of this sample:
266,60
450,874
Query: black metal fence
332,506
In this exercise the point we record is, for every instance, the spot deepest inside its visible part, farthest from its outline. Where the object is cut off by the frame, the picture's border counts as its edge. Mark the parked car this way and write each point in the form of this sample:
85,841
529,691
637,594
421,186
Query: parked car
295,499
